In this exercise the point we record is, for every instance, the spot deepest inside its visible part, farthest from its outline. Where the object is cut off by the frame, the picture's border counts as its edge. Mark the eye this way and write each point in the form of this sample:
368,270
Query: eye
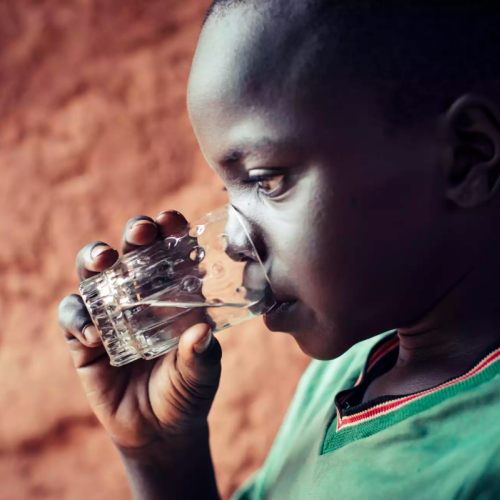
270,183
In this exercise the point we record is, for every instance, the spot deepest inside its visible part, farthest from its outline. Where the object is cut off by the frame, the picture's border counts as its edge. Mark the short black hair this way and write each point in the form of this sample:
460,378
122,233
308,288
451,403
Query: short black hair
421,54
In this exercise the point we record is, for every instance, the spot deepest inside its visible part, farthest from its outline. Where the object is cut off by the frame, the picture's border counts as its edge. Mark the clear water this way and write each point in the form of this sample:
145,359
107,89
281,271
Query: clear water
187,305
144,303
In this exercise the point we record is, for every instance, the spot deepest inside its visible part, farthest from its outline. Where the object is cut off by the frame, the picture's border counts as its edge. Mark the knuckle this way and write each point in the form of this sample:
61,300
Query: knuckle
74,343
191,389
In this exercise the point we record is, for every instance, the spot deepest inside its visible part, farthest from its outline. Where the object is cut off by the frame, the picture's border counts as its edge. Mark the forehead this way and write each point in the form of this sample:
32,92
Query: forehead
233,82
247,52
252,79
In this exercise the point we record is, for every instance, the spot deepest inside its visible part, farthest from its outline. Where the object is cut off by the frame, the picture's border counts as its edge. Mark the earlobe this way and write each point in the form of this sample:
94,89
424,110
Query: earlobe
472,144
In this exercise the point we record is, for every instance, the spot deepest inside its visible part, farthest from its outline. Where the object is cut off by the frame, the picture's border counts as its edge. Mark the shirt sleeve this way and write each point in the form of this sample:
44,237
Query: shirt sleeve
319,382
254,487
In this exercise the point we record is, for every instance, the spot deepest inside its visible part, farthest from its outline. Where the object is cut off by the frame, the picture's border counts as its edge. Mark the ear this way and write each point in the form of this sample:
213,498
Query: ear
472,135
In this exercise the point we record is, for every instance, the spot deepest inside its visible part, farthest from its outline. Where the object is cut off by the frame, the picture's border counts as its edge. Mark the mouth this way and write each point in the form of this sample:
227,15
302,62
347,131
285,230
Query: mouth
281,307
275,317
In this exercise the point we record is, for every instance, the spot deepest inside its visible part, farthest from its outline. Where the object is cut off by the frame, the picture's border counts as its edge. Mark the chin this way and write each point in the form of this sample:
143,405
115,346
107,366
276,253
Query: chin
321,348
318,339
283,317
313,338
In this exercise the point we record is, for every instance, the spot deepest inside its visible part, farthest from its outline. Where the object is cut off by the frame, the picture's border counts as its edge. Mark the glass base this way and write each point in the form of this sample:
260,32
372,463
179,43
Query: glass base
167,346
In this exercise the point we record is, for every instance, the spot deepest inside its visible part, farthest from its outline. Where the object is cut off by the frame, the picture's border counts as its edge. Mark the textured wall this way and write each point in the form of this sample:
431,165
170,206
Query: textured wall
94,130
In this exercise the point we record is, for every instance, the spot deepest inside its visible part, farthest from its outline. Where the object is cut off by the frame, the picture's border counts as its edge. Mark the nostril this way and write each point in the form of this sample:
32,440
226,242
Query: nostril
239,254
244,258
241,237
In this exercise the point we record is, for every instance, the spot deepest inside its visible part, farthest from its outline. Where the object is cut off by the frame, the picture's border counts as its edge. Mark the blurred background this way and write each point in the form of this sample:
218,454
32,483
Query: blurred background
93,131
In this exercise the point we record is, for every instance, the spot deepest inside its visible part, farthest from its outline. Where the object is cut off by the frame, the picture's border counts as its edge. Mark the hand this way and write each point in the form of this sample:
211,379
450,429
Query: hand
145,402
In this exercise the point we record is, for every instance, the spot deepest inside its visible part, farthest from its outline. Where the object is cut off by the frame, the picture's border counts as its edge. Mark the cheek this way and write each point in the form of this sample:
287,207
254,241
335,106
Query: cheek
299,235
365,258
324,245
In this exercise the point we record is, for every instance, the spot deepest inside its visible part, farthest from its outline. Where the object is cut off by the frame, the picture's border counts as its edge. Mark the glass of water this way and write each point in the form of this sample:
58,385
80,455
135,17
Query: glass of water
210,273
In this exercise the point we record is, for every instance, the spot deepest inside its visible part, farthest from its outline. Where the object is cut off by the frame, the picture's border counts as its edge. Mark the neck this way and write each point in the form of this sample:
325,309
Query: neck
447,341
464,323
457,343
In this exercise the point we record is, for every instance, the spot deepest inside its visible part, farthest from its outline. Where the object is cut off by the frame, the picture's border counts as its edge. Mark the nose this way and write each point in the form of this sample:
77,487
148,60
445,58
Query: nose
244,243
242,240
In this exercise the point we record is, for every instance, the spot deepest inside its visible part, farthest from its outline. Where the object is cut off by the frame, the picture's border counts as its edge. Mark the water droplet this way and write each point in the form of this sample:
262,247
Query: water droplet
215,301
170,243
191,284
197,254
221,243
218,270
196,231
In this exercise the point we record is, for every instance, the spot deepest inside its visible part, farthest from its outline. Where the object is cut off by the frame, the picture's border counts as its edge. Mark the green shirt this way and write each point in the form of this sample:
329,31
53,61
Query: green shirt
442,443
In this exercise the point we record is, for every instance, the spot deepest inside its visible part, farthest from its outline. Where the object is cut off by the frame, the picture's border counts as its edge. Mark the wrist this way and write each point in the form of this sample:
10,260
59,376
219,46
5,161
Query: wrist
174,467
168,444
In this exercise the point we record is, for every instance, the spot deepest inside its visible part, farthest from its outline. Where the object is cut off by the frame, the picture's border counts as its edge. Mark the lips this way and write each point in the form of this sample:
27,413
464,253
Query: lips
281,307
280,316
255,282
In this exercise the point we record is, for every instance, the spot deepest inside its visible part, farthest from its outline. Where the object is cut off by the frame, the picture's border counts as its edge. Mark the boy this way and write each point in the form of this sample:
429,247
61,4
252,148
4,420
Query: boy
361,144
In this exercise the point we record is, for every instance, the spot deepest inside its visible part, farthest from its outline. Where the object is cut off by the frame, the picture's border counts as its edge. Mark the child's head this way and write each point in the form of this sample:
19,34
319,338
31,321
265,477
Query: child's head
340,131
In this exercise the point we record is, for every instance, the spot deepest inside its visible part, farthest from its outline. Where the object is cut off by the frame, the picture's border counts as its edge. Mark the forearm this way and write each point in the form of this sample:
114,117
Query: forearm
178,469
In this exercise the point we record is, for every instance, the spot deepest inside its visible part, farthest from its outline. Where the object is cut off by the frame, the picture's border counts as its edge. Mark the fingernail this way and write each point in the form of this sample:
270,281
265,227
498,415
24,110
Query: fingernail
202,345
99,250
171,213
91,335
142,223
166,212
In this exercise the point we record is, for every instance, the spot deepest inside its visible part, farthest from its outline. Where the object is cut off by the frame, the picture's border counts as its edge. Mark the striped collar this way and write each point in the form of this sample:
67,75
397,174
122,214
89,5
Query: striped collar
382,357
353,420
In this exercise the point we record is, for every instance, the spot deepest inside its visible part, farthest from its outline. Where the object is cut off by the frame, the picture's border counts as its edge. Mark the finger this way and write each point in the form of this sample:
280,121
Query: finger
80,333
171,223
199,360
94,258
138,231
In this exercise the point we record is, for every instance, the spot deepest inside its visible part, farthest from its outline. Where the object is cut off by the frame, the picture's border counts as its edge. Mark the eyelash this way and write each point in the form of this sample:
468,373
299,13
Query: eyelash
260,178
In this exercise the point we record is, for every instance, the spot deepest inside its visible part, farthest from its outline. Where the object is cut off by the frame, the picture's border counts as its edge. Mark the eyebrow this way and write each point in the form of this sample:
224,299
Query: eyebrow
238,153
233,156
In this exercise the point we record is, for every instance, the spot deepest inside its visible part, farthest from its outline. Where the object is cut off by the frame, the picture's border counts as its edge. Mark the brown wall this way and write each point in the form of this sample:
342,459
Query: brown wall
94,130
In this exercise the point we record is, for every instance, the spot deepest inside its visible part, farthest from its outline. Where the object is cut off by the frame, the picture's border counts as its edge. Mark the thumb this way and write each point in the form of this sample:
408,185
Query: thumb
199,360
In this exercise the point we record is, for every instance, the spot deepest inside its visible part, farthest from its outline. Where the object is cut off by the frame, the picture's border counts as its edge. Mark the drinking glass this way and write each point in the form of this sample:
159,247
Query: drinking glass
210,272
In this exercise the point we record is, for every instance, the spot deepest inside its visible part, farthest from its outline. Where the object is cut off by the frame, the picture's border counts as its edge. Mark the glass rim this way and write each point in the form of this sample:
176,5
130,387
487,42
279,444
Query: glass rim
249,238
